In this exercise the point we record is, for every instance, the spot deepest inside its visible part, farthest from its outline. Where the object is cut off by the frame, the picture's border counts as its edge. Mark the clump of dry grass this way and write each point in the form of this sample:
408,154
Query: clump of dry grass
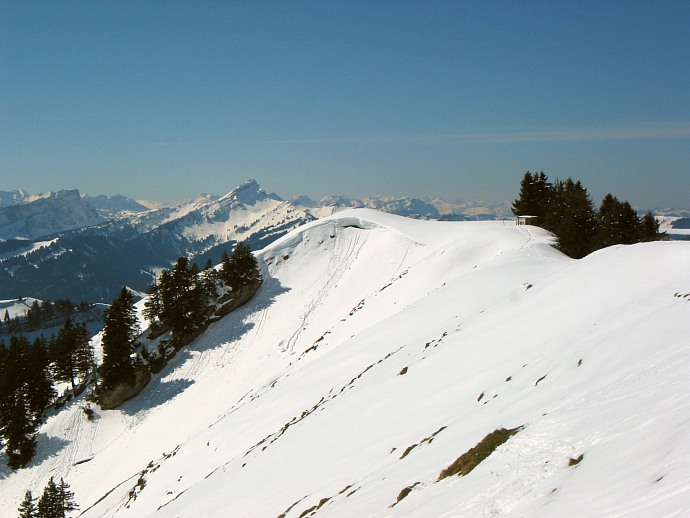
475,455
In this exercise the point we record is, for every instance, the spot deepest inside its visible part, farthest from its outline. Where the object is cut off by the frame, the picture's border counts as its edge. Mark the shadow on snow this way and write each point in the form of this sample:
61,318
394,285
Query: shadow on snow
224,333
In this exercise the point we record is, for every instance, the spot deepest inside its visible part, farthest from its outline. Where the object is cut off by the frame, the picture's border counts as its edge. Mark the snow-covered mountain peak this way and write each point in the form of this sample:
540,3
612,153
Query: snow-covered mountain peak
248,194
47,214
13,197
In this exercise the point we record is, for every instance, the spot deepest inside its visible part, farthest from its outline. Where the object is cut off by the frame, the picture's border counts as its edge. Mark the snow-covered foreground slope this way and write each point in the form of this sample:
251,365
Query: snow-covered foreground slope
380,349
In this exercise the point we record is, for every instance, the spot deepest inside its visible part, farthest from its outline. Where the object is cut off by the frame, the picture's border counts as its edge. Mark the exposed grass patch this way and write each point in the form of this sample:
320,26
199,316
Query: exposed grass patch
408,450
475,455
576,461
403,371
427,440
314,508
404,492
284,513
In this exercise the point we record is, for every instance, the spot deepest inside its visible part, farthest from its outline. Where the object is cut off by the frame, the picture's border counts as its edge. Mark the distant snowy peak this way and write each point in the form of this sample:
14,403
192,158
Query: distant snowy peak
248,193
13,197
110,207
427,208
213,220
49,214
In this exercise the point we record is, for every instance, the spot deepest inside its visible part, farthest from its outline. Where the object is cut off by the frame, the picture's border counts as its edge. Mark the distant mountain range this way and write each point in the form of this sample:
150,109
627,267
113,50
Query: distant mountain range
92,262
67,245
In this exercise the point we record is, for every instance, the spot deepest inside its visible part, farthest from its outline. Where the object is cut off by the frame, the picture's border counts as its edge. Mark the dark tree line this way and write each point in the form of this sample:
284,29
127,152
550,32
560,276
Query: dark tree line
182,298
56,501
566,209
28,373
179,301
43,314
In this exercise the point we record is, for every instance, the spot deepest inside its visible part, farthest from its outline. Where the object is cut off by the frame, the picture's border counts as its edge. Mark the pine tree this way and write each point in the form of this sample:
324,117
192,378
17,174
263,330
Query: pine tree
62,351
571,218
649,229
119,341
617,223
20,434
183,300
241,268
33,315
71,352
38,378
84,356
28,508
66,501
153,306
534,196
48,504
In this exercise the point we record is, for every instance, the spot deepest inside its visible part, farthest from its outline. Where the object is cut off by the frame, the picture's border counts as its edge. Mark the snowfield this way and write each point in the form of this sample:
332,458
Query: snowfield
380,349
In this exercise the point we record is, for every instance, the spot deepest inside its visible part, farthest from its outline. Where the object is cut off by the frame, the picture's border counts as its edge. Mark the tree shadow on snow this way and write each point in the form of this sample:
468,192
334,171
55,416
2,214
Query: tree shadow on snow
223,333
155,394
46,447
237,324
5,471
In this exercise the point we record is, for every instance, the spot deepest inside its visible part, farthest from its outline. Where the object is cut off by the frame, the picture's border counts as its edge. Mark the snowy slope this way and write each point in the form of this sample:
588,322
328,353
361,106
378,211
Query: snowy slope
373,334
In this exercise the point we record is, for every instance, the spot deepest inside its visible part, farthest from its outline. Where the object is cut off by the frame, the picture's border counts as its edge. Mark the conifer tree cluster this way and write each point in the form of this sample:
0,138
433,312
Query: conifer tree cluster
120,332
239,269
182,298
566,209
28,372
56,501
43,314
181,301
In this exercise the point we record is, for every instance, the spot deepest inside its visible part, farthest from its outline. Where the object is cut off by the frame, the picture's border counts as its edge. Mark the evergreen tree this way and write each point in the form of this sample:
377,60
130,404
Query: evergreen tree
571,218
47,311
17,420
28,508
63,352
20,433
38,378
241,268
153,306
48,504
183,300
225,259
534,196
84,357
119,341
617,223
66,501
57,500
33,315
649,229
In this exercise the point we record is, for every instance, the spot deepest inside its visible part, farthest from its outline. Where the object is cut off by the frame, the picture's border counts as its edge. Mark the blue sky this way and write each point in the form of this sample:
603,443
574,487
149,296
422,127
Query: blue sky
164,100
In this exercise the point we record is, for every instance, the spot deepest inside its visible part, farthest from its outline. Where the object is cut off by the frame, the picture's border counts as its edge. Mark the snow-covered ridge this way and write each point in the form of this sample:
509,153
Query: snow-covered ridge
378,350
